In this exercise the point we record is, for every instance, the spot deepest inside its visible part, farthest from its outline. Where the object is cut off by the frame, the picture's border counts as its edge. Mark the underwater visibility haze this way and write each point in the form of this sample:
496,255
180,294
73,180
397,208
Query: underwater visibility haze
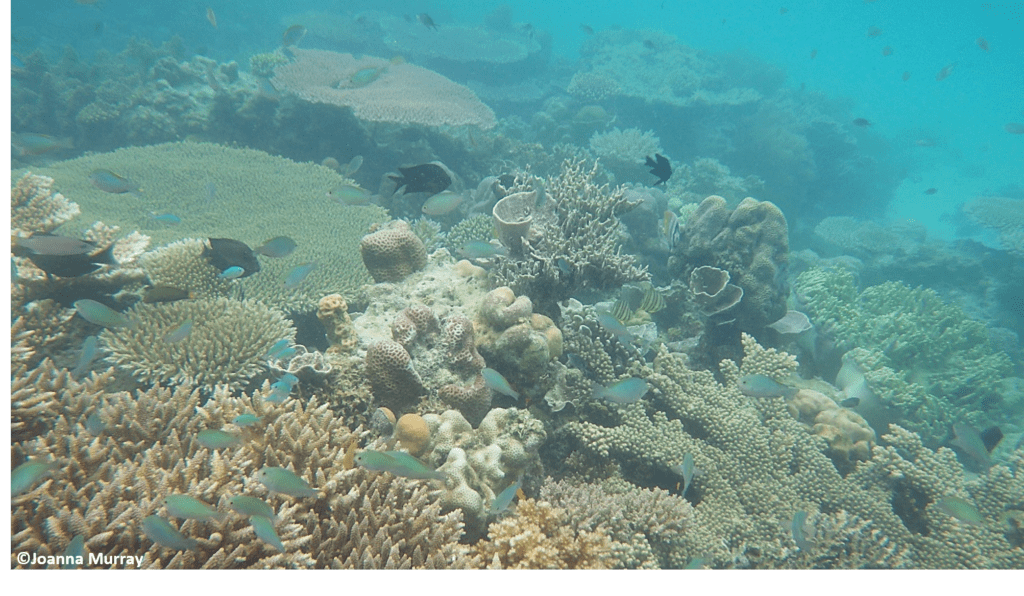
517,285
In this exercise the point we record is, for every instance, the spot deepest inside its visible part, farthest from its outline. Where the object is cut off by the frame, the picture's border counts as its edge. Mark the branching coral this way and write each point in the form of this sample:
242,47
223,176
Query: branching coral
577,239
35,207
149,449
226,345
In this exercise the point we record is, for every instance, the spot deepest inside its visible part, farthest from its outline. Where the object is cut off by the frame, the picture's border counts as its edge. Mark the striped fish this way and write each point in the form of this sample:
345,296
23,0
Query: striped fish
621,310
652,300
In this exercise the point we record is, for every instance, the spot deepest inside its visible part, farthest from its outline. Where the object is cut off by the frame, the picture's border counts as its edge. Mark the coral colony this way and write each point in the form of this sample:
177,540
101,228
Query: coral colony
505,333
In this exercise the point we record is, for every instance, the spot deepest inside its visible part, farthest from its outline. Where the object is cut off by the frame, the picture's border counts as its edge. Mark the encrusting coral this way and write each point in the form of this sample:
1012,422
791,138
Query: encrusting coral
149,449
226,345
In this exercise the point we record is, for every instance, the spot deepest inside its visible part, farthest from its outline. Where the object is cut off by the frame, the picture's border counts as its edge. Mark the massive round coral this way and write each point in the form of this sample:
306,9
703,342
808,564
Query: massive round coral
393,252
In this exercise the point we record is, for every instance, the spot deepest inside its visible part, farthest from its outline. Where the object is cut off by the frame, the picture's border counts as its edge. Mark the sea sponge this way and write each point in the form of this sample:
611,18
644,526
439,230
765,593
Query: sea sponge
396,384
225,347
393,252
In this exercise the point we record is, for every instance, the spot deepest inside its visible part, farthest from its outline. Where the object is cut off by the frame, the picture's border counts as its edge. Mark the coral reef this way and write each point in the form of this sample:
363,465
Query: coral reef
399,92
149,449
574,241
1002,214
218,203
182,265
226,345
35,207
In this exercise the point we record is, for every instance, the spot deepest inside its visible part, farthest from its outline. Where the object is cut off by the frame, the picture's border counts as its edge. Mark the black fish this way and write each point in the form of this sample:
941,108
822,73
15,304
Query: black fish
426,21
662,169
430,178
991,437
861,122
64,257
850,402
225,253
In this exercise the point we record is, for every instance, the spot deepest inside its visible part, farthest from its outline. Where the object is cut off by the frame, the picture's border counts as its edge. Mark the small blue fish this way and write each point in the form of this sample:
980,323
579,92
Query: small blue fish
27,474
687,471
494,381
627,391
504,498
762,386
577,362
186,507
217,439
799,530
100,314
277,248
695,563
398,463
232,273
280,480
264,529
286,353
108,181
246,505
961,509
298,274
277,347
563,265
75,550
90,349
480,249
179,333
165,218
615,327
442,203
244,420
95,424
30,143
160,531
350,194
289,379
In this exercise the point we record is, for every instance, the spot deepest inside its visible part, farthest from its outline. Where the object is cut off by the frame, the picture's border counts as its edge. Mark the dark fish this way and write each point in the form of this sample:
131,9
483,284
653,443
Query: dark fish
293,35
277,248
946,71
649,44
426,177
660,168
906,75
931,191
874,32
887,51
225,253
861,122
426,21
164,294
991,436
783,10
63,257
982,43
1014,128
850,402
586,29
813,54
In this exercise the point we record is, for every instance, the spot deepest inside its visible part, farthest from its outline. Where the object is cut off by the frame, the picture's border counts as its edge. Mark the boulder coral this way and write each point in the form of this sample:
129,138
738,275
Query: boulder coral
515,340
396,384
393,252
749,242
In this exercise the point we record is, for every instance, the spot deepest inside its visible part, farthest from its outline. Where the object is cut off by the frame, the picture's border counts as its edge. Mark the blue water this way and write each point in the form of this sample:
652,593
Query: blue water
930,146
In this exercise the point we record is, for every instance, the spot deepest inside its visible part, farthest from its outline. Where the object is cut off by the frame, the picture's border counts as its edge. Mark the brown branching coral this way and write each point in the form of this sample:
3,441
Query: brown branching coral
150,449
36,207
537,537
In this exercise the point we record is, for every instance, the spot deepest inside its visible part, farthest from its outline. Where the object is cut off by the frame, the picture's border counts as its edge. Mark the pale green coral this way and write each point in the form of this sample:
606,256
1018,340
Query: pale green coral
243,194
924,340
476,227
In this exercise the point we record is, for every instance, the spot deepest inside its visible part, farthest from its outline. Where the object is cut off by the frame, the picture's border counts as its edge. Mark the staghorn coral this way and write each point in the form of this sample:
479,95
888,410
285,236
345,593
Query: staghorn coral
35,207
759,467
392,252
104,489
214,190
577,240
537,537
225,347
402,93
